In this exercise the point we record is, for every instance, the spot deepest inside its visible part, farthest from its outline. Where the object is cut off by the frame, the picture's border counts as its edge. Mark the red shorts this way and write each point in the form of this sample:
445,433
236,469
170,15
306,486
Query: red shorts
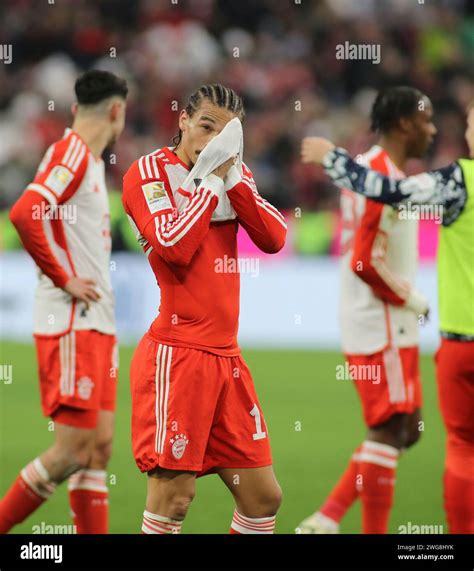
455,376
78,376
193,410
388,383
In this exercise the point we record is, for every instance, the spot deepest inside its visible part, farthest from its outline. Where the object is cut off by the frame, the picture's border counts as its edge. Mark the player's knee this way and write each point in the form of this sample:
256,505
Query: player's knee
102,452
179,504
269,501
76,455
412,437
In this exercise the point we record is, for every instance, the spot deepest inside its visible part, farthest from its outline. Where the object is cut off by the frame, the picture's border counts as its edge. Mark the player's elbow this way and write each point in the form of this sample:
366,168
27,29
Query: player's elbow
177,258
274,245
361,267
17,215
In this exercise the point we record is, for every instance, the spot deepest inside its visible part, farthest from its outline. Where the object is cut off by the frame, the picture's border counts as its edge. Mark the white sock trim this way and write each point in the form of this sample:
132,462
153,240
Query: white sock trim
249,525
379,447
157,524
38,479
88,479
379,454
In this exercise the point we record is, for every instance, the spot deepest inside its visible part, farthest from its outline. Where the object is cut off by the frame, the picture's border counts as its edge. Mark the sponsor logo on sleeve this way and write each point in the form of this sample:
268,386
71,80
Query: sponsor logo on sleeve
58,179
156,196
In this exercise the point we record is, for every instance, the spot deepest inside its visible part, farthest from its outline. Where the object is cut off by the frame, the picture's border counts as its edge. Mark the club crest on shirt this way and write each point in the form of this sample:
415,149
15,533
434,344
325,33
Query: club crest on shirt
156,196
84,388
178,445
59,179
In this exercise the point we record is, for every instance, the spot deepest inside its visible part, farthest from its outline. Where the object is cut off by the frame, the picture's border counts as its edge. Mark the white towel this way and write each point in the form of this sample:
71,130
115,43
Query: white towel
227,144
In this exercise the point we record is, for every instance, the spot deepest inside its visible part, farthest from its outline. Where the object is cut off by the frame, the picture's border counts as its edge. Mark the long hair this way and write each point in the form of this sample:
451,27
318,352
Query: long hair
217,94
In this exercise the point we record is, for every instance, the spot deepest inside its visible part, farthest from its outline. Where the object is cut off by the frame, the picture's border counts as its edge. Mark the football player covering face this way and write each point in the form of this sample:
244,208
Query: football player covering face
77,350
195,410
199,129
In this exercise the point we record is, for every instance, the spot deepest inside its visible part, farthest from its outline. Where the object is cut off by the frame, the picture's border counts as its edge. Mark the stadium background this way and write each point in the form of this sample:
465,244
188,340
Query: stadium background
293,85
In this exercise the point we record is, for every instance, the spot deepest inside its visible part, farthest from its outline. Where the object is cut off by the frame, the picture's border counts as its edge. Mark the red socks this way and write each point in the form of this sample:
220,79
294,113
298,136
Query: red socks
345,492
89,501
371,476
31,488
378,463
459,485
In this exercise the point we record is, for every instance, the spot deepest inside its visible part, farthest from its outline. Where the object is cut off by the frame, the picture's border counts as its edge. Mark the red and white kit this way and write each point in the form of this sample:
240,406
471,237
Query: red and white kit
64,223
194,403
379,305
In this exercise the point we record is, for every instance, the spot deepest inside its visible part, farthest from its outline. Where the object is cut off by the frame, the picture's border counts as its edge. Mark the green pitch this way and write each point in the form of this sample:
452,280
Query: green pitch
314,422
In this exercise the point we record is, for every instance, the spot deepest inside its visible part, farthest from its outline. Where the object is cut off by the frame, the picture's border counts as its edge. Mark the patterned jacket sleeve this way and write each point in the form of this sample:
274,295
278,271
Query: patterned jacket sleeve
445,186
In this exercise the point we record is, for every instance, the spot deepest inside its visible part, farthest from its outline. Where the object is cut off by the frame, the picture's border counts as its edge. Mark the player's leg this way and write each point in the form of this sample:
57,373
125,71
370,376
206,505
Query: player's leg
88,492
169,495
455,378
370,474
392,411
174,396
239,450
70,452
257,496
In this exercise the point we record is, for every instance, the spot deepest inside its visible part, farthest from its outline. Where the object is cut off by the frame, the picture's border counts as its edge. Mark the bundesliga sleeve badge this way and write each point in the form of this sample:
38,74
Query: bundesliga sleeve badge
156,196
58,179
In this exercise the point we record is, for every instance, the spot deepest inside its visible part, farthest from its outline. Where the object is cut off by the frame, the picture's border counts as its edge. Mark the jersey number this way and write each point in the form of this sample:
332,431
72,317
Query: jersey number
258,424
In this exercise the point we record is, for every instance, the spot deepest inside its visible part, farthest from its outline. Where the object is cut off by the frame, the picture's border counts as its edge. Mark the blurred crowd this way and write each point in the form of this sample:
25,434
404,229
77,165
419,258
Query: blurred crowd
280,55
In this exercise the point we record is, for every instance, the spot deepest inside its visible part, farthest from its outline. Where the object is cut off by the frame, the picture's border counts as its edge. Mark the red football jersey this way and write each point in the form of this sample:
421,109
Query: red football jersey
199,304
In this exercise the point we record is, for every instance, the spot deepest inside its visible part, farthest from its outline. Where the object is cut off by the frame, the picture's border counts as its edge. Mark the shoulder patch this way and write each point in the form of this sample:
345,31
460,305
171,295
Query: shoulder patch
58,179
156,196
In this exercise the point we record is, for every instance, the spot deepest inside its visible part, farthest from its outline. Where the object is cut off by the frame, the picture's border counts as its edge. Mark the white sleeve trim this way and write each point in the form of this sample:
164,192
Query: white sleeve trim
45,193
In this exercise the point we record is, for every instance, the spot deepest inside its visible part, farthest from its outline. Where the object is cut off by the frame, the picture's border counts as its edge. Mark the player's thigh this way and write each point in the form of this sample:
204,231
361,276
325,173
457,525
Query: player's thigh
455,379
252,488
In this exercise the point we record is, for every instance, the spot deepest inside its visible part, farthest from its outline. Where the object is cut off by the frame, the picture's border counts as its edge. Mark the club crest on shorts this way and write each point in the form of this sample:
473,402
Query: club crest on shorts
178,445
84,388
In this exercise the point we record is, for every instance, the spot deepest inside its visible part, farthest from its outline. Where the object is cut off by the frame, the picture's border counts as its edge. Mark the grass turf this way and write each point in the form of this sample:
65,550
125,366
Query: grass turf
314,423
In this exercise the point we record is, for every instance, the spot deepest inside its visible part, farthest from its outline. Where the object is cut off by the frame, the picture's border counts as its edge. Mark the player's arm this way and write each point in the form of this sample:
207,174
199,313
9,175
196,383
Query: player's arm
152,213
262,221
369,260
443,186
55,182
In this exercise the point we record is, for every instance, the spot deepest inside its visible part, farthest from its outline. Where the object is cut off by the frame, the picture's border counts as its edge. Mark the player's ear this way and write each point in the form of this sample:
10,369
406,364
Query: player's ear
405,124
183,120
114,112
74,107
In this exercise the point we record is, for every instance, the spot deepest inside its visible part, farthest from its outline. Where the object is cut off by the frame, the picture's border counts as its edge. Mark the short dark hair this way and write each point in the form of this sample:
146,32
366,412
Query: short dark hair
392,104
96,85
217,94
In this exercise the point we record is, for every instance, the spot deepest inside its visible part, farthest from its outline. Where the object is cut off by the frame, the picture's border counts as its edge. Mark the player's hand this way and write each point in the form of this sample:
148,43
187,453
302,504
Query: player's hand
223,169
82,289
314,149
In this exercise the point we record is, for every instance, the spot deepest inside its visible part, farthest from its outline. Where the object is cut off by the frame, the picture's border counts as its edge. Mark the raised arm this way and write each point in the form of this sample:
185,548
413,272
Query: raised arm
262,221
443,186
152,213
